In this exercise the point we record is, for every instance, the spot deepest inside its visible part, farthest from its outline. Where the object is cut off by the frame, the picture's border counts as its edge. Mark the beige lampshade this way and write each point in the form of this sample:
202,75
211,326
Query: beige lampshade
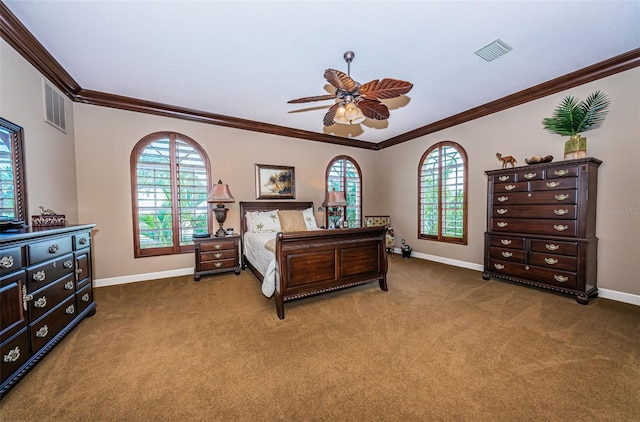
220,193
335,199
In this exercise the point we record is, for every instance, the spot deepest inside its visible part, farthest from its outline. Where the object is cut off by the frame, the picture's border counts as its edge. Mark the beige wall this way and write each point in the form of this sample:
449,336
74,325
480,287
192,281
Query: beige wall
107,136
98,163
49,153
518,132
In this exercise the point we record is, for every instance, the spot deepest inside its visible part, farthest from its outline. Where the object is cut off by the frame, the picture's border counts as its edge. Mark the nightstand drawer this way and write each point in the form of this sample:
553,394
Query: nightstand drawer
217,255
218,265
217,245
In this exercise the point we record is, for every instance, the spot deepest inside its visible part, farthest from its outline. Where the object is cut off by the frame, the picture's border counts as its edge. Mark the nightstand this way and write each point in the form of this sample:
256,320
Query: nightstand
216,255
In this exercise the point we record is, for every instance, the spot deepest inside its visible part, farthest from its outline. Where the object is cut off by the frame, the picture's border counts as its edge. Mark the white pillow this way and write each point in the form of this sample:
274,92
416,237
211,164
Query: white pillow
263,221
309,219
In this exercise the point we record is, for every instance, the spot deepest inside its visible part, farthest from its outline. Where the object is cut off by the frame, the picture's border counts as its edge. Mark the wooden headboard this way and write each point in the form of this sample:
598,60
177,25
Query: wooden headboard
267,206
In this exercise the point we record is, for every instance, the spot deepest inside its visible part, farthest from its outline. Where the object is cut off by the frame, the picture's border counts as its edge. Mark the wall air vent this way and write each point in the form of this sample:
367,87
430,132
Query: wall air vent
54,112
493,50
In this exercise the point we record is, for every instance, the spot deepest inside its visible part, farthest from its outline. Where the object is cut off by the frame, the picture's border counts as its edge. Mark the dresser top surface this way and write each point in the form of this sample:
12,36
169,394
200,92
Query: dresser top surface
33,233
589,160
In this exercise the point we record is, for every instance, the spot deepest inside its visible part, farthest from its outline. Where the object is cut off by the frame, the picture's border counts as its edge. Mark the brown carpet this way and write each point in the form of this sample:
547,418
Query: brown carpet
441,345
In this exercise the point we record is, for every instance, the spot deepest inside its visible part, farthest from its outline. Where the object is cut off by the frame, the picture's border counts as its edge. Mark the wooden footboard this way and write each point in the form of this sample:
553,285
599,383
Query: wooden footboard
321,261
316,262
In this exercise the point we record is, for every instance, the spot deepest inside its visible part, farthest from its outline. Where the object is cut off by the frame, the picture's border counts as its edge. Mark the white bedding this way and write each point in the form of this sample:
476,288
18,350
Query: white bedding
262,259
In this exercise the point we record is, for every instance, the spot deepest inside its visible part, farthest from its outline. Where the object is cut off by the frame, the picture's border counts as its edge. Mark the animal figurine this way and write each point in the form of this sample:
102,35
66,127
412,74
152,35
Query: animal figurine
46,211
506,160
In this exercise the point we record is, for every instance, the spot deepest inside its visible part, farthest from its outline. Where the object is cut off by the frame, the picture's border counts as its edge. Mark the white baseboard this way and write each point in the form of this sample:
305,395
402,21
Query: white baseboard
103,282
603,293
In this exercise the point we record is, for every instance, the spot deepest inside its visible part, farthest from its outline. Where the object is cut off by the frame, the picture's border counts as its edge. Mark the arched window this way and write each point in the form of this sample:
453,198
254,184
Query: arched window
343,174
442,185
170,180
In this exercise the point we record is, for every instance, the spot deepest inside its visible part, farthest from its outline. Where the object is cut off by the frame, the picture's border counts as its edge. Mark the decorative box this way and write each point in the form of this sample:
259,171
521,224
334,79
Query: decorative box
48,220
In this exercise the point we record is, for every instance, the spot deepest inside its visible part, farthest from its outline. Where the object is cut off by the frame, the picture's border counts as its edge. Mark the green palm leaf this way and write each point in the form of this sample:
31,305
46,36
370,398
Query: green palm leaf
572,117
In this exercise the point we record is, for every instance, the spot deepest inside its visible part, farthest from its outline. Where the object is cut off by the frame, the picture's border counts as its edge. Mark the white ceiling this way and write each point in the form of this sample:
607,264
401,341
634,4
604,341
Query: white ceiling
248,58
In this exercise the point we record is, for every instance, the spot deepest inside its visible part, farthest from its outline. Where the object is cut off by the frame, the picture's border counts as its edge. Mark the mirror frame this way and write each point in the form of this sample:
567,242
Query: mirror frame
19,178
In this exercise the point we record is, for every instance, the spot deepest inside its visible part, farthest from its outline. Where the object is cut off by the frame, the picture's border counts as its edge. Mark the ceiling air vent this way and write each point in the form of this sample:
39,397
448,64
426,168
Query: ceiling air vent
54,107
493,50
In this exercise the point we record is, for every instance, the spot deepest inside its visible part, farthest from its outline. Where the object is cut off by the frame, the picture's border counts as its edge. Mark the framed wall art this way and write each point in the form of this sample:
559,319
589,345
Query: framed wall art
275,182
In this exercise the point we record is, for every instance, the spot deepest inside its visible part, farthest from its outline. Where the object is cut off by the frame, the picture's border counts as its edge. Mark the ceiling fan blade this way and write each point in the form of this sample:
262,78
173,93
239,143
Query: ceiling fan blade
310,99
385,88
328,118
374,109
340,80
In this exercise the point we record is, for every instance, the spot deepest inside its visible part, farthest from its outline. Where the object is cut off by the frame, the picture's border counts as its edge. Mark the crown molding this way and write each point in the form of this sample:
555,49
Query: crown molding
17,35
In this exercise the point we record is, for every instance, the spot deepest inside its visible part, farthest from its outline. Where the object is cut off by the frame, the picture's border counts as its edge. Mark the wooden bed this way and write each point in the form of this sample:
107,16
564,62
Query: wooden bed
320,261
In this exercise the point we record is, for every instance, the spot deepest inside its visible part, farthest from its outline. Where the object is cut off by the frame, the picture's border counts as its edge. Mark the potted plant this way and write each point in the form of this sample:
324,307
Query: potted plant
572,117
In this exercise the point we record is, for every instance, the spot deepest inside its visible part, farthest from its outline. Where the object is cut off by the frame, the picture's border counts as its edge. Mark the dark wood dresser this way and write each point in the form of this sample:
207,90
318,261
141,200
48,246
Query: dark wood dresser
215,255
541,226
46,289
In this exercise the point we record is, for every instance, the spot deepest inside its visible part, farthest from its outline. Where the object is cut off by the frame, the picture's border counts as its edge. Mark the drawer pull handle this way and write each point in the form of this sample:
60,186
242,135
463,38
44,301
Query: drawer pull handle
53,248
530,175
68,264
560,227
504,178
70,310
498,266
505,241
82,241
510,187
12,356
553,184
218,255
561,197
42,332
6,262
40,276
79,271
85,297
507,254
40,303
25,298
218,264
68,285
503,198
551,261
552,247
560,278
560,212
502,224
501,211
217,246
561,172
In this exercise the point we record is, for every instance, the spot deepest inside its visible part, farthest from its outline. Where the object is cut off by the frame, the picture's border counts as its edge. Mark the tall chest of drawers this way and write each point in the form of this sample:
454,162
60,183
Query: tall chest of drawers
46,289
541,226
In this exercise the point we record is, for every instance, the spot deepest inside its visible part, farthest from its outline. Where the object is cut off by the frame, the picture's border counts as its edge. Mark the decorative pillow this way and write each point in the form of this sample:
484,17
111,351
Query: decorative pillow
309,219
263,221
271,245
291,221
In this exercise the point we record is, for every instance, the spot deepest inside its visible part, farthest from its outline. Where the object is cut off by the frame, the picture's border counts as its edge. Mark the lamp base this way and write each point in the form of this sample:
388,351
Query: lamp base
221,232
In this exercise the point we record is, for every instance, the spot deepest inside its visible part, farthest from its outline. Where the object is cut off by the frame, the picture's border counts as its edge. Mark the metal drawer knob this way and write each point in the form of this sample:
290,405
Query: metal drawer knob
553,184
498,266
82,240
501,211
53,248
507,254
530,175
70,310
68,285
41,302
218,264
42,332
503,178
503,198
12,356
561,197
6,262
85,297
561,172
510,187
560,278
40,276
560,227
560,212
68,264
552,247
218,255
505,241
502,224
551,261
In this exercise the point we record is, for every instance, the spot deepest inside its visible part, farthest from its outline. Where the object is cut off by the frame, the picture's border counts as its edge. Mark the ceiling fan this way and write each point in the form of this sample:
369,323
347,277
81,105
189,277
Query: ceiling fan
355,102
